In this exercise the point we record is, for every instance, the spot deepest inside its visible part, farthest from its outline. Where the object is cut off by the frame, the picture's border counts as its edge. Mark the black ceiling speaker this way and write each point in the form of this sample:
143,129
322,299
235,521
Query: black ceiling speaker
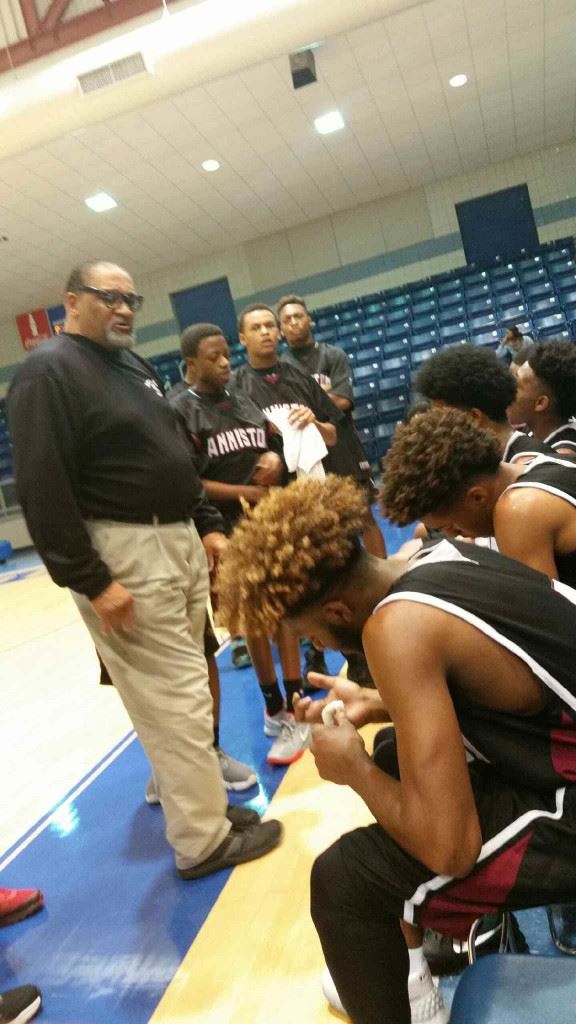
302,68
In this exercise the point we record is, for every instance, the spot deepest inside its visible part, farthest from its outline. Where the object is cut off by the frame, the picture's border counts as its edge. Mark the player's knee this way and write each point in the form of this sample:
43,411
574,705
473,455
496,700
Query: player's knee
328,883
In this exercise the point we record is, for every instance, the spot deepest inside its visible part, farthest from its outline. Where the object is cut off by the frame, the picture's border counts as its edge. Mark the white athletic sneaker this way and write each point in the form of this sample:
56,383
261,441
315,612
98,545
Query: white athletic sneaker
293,740
426,1002
236,776
273,723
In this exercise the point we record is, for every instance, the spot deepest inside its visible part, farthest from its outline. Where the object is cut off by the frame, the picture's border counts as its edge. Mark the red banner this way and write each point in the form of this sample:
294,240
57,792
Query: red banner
33,328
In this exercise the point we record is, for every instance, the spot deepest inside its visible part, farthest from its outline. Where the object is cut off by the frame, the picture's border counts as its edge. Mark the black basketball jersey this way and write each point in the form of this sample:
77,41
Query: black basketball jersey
557,476
330,368
229,433
284,387
535,619
563,437
519,444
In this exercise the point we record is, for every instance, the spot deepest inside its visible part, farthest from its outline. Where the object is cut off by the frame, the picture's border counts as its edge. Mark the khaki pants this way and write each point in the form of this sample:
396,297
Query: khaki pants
159,670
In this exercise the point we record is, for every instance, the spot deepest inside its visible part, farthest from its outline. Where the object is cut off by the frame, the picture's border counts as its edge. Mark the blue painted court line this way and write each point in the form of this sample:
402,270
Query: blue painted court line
118,920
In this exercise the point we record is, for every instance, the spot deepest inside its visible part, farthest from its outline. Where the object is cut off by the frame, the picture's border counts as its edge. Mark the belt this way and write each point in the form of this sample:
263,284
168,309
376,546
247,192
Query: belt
154,519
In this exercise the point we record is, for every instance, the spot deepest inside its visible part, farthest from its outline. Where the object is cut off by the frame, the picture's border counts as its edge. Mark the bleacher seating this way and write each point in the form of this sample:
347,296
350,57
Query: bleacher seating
388,334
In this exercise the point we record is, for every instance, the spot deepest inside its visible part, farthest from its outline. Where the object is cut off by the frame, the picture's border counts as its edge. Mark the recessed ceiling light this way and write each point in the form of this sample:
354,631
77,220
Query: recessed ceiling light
210,165
100,202
331,122
458,80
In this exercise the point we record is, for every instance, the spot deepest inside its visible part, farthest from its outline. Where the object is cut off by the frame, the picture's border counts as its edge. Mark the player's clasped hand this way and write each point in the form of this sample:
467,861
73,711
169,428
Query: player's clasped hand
301,417
359,702
337,749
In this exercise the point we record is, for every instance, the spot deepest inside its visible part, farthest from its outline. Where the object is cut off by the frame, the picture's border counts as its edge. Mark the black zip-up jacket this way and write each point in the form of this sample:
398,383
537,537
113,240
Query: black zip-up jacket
95,438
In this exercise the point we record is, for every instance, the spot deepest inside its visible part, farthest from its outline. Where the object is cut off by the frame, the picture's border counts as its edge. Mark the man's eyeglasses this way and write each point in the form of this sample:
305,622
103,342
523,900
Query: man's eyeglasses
112,298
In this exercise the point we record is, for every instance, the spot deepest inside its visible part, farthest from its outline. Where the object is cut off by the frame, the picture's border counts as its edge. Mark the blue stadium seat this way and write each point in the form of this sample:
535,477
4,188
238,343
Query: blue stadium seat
348,329
418,293
476,291
504,300
476,322
399,330
426,339
395,347
544,306
423,307
400,314
451,315
392,409
568,300
423,323
394,383
454,331
451,299
365,391
488,339
371,371
420,357
505,284
556,321
564,282
514,313
537,290
513,988
395,363
369,443
325,334
483,305
364,415
356,313
348,345
401,299
373,322
368,354
371,308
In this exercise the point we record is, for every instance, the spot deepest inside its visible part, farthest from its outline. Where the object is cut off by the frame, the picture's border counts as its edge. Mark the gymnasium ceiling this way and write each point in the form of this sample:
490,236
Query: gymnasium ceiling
220,88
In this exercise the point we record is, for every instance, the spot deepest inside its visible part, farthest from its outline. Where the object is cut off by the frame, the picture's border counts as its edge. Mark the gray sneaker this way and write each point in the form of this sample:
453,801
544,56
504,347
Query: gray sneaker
237,848
236,776
293,740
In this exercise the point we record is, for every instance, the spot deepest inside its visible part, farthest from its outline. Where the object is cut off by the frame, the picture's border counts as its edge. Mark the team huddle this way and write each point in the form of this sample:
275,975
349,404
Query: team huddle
466,639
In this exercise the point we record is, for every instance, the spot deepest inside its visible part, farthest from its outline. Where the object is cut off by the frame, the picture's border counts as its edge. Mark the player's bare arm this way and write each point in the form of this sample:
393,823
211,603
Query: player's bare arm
527,522
431,812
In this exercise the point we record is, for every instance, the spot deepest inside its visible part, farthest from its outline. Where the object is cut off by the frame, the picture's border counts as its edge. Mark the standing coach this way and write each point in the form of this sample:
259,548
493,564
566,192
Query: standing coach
116,510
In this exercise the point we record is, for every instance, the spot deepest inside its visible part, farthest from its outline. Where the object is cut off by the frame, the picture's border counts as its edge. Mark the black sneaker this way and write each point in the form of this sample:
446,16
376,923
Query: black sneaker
18,1005
242,817
237,848
450,956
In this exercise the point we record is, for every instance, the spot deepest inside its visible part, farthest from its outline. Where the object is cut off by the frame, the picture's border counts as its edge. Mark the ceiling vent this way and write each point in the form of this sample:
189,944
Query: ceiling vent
111,74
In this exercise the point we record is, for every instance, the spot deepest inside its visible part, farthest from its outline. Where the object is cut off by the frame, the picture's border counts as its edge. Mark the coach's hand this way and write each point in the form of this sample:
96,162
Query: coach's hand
214,546
337,749
301,417
114,607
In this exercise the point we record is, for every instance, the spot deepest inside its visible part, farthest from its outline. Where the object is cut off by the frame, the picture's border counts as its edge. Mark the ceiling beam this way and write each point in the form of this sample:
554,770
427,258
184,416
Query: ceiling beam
66,33
30,15
54,14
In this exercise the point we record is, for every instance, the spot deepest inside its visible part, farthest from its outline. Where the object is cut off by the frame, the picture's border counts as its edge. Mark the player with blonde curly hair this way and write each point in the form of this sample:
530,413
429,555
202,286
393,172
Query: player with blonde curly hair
484,708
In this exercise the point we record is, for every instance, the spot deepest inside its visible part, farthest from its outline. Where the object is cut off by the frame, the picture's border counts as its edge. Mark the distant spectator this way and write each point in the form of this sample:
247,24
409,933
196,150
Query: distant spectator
516,345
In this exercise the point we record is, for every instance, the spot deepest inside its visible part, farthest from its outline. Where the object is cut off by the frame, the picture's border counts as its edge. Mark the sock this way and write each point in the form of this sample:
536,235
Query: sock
418,962
272,698
292,686
216,736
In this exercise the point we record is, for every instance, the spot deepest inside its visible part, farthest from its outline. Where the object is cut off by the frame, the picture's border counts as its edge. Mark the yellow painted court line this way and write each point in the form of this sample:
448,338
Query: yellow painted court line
257,960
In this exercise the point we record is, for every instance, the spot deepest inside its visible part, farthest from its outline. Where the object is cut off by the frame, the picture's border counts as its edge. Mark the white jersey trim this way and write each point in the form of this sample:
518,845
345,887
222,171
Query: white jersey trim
489,631
498,841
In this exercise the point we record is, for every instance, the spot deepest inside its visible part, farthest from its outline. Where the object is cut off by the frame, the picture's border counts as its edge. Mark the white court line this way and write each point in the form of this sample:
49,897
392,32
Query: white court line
72,796
80,789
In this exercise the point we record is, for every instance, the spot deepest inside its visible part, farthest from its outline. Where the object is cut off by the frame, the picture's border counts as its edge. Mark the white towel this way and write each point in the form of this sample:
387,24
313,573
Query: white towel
303,449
